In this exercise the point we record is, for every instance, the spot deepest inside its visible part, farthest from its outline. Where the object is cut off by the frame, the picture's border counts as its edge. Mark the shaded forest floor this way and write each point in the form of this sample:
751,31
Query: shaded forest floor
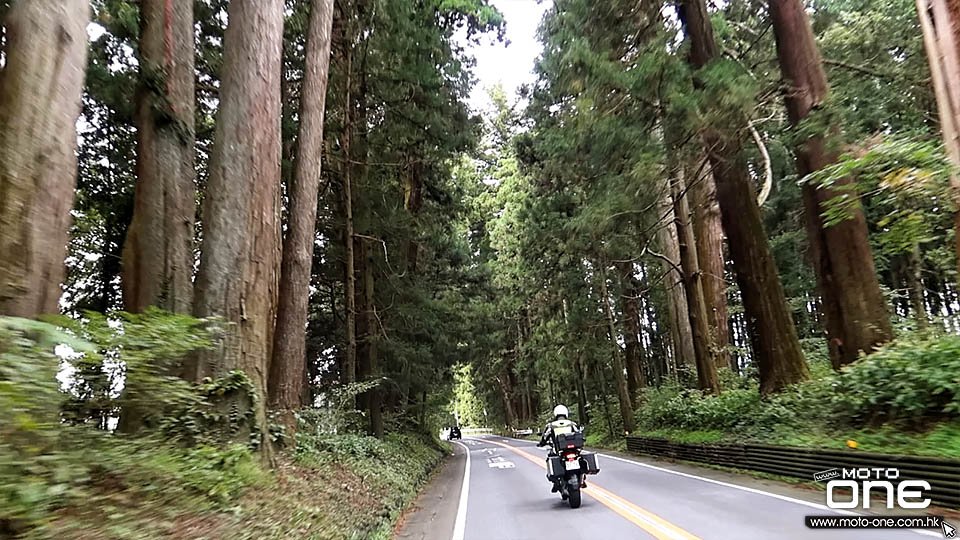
348,487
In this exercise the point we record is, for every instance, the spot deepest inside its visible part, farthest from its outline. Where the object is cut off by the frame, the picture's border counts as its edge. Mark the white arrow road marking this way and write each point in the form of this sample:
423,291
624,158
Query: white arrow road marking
499,463
459,527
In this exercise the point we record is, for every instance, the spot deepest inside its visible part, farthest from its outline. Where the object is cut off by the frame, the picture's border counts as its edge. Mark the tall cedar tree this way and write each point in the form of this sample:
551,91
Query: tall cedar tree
240,258
623,392
158,253
708,231
629,306
348,367
677,306
702,342
854,310
288,367
773,336
40,88
940,24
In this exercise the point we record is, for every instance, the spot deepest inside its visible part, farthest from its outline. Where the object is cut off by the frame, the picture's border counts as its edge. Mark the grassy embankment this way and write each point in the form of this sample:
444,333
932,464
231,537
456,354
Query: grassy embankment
63,476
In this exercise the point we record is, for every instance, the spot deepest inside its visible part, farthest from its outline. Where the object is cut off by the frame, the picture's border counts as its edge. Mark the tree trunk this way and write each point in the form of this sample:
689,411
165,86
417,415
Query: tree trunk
362,327
702,344
503,383
289,354
773,336
943,55
680,331
349,369
374,397
708,231
658,353
239,271
854,308
412,202
40,88
629,298
913,277
581,389
602,386
626,406
158,254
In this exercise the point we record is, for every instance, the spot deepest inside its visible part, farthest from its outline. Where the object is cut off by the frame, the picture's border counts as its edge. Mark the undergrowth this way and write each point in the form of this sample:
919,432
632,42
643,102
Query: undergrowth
68,472
904,398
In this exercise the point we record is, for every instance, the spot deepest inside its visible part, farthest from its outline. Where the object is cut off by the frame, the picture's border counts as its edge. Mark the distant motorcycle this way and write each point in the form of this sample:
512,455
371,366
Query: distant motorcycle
455,433
568,465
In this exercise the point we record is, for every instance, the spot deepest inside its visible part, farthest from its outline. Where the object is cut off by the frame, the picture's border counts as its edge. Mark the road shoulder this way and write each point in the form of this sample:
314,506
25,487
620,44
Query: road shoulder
433,513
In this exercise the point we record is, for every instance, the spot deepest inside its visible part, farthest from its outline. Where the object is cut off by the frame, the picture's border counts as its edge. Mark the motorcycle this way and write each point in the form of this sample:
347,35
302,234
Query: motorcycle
568,465
455,433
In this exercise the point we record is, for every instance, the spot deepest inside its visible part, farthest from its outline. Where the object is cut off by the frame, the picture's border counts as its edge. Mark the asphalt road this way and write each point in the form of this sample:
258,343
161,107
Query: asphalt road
503,494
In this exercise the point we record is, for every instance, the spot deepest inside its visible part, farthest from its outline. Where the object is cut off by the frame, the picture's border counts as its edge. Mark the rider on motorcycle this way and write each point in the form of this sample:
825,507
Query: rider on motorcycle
561,425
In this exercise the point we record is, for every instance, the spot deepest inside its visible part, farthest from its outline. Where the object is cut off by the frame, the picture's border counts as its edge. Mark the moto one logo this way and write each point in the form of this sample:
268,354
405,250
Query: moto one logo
864,482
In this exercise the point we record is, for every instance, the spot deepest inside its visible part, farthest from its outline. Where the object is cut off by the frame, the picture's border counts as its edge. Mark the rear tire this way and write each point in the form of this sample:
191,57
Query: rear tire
574,499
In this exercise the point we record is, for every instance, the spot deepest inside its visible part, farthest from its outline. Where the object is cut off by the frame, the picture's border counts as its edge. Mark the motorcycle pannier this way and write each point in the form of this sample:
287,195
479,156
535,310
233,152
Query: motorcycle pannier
565,440
588,460
555,466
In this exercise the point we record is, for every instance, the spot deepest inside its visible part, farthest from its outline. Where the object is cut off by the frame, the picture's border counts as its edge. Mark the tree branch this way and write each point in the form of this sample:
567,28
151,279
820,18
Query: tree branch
768,168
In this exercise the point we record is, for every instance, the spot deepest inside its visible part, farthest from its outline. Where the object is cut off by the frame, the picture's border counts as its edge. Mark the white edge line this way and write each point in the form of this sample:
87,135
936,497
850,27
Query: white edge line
757,491
459,527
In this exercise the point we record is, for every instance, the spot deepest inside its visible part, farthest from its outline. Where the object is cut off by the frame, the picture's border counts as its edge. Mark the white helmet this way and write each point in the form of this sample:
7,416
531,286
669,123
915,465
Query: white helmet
559,411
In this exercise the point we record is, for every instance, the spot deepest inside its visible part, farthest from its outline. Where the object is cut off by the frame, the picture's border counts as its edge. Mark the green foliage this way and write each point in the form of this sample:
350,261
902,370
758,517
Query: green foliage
37,466
885,401
913,380
467,402
54,447
132,365
897,172
392,468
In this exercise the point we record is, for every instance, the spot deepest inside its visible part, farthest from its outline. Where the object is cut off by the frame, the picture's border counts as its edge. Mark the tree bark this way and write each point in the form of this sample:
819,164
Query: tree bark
240,259
158,253
287,368
940,24
629,297
626,405
581,389
412,202
679,317
702,344
40,89
658,354
914,279
708,231
854,308
349,369
773,336
374,397
503,383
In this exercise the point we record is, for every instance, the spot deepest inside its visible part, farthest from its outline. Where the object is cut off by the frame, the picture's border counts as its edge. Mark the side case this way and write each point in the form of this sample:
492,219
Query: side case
555,466
589,463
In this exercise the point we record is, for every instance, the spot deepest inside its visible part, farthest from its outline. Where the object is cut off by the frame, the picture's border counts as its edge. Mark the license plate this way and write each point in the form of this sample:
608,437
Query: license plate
572,465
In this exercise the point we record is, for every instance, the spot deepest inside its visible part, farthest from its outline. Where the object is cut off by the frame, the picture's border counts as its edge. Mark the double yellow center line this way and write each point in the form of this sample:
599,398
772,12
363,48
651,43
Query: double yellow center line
655,525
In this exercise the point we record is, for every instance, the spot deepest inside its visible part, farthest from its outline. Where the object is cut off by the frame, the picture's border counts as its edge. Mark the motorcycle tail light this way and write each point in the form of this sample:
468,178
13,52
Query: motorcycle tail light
571,446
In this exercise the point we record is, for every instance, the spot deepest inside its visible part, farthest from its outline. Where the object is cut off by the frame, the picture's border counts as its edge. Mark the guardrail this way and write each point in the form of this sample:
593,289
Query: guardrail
475,430
800,462
519,432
